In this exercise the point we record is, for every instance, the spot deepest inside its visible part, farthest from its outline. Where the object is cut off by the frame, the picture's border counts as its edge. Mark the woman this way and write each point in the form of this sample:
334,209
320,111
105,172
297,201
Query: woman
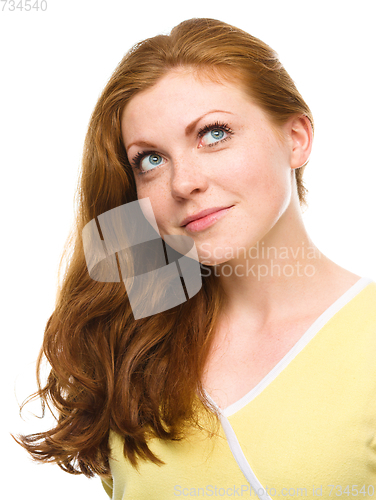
263,382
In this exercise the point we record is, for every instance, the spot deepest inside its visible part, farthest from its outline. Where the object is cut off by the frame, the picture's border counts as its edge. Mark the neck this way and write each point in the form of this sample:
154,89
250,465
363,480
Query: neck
280,276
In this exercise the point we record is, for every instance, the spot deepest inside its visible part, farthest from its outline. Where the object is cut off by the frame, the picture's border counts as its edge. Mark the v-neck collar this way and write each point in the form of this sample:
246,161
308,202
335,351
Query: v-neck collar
296,348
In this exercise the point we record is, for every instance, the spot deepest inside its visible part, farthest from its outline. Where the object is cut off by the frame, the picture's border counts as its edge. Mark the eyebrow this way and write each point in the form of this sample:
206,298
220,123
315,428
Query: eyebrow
188,129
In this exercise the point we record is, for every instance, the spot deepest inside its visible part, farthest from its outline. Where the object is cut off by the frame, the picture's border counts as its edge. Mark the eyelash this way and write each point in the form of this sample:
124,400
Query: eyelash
136,161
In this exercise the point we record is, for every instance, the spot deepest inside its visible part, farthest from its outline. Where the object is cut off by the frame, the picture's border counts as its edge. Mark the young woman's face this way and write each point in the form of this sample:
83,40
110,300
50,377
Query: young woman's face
197,145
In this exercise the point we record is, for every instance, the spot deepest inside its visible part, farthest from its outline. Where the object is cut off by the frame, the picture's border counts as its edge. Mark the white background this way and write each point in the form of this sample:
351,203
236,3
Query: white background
54,65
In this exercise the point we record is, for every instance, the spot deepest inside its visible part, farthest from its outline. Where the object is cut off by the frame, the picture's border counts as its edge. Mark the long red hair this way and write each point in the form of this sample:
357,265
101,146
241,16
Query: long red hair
108,370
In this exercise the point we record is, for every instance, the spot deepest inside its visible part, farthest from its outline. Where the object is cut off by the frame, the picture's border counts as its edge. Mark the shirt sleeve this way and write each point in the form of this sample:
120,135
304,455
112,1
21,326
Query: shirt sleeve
107,485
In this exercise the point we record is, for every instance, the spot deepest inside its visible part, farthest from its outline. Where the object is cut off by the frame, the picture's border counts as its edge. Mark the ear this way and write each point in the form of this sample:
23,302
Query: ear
300,132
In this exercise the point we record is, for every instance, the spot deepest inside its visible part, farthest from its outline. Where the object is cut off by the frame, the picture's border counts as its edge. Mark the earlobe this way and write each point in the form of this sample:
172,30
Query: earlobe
301,141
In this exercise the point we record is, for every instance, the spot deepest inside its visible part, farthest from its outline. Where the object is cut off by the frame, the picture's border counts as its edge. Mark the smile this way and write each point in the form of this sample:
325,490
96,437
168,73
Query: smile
207,221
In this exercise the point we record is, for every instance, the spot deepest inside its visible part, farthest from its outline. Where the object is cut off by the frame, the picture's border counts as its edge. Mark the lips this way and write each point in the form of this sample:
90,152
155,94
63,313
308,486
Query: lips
201,214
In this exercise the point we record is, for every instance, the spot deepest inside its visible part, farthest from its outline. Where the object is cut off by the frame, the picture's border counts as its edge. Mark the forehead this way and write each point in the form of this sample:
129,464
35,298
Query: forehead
178,80
178,98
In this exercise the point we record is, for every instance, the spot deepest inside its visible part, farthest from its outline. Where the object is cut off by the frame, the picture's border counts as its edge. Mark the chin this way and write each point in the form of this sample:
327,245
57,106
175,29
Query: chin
212,260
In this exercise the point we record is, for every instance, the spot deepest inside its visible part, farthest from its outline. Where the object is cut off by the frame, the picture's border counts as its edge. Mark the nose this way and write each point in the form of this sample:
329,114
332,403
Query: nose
188,177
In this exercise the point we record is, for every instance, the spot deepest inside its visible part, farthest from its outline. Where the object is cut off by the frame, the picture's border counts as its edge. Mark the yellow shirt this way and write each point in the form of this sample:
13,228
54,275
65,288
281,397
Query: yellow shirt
308,429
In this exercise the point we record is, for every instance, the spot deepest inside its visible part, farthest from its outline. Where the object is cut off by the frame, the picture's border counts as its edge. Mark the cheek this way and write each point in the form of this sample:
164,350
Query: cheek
268,165
159,205
264,179
251,171
146,189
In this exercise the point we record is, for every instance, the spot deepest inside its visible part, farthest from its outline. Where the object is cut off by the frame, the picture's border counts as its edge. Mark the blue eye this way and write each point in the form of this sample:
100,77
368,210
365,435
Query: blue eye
214,133
147,161
151,161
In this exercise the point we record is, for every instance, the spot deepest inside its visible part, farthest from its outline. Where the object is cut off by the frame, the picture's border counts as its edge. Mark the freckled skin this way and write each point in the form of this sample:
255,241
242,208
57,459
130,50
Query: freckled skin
253,170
